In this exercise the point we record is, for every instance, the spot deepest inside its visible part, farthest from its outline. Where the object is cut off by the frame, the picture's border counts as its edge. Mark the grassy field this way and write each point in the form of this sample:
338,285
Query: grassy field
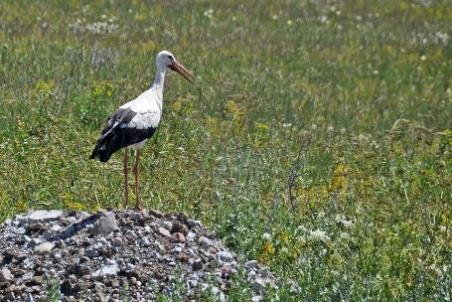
316,139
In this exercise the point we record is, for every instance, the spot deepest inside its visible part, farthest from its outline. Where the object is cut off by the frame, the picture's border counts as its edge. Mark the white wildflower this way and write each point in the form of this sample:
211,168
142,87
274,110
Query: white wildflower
442,37
287,125
266,236
302,228
95,28
340,219
324,19
289,22
256,298
347,223
208,13
423,58
101,27
344,235
301,239
319,235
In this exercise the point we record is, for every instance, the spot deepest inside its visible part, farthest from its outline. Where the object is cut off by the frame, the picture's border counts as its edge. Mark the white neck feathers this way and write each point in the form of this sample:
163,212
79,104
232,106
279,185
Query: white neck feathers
158,85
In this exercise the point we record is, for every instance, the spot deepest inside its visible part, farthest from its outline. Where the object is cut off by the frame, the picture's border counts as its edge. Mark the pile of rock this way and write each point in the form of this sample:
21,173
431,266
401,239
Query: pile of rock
109,256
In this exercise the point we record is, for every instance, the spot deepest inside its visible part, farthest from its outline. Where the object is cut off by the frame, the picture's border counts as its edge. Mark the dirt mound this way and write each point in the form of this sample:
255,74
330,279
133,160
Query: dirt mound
109,256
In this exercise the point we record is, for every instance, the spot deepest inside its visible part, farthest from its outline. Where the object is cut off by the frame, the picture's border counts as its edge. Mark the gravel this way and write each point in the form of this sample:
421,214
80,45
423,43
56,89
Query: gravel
97,257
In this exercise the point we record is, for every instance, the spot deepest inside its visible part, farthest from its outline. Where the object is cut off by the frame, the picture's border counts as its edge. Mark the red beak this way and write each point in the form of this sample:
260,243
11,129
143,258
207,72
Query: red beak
179,68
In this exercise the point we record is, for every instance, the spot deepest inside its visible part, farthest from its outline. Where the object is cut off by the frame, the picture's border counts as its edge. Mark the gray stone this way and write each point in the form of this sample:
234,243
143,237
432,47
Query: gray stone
5,275
225,256
227,271
164,232
44,215
197,265
91,253
252,264
27,276
257,284
147,229
36,241
167,225
191,236
179,237
192,282
205,242
105,224
117,241
107,270
214,290
66,288
29,298
179,227
264,272
177,249
99,287
194,223
44,247
145,242
100,297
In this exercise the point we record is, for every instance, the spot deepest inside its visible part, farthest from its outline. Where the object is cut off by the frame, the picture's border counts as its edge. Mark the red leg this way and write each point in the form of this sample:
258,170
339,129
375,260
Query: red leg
137,180
126,176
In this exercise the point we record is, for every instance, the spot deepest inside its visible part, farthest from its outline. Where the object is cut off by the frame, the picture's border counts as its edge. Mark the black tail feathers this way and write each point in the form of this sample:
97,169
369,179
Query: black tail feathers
102,153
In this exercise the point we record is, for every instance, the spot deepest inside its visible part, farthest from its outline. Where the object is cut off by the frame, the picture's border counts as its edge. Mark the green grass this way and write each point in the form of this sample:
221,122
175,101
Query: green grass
284,132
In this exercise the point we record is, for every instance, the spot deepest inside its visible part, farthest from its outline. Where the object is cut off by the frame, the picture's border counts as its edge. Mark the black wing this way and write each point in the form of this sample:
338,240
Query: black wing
118,134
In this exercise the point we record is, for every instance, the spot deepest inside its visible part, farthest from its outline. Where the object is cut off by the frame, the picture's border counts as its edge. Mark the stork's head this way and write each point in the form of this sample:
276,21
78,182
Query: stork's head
165,59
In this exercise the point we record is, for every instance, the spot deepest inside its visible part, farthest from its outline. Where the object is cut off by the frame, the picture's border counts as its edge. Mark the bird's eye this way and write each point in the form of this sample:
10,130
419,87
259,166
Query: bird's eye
171,58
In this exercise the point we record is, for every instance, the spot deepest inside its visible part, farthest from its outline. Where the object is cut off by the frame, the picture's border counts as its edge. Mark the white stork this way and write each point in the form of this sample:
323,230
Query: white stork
132,124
